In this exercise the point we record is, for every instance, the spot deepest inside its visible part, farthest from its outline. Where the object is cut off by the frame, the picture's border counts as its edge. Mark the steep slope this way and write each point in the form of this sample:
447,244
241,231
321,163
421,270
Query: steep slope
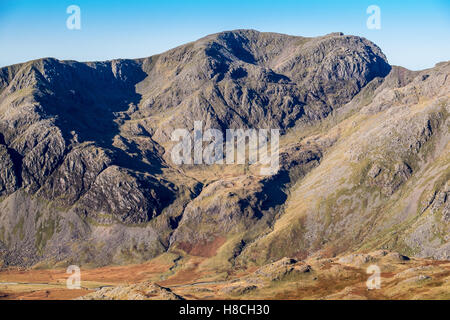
87,175
383,183
263,80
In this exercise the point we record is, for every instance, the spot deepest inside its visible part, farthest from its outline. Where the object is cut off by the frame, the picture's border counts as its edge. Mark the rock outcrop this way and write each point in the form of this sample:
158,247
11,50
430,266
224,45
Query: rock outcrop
87,177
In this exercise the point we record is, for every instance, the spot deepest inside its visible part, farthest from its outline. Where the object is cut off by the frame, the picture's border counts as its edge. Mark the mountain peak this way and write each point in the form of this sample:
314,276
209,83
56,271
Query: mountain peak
85,149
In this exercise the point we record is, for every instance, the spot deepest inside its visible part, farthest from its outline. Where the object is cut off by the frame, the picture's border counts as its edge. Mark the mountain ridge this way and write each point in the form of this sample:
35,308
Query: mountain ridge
85,151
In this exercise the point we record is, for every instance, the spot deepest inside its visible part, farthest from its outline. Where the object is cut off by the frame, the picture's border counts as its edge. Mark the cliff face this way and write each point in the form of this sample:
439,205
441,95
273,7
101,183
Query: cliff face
86,174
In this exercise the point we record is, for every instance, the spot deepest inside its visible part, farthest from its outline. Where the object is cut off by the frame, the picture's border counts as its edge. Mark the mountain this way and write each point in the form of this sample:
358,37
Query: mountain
87,176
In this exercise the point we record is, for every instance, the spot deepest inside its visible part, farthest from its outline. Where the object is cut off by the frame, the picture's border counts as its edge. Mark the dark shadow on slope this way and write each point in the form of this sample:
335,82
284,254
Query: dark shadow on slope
91,101
235,43
16,159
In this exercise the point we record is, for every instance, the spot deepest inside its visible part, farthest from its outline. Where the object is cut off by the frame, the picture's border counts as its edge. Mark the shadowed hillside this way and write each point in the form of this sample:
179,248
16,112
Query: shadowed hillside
87,177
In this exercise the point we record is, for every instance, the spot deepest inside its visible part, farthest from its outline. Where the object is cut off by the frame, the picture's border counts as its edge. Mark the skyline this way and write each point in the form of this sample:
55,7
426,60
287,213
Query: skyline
412,34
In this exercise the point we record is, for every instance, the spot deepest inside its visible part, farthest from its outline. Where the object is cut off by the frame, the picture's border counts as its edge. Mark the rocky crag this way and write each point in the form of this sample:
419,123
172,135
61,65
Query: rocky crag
87,177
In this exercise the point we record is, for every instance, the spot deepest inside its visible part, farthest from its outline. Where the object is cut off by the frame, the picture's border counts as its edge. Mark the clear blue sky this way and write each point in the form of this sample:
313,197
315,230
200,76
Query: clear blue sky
414,34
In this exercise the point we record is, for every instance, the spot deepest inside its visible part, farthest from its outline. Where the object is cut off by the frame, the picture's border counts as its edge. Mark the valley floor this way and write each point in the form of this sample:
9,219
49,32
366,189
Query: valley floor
172,277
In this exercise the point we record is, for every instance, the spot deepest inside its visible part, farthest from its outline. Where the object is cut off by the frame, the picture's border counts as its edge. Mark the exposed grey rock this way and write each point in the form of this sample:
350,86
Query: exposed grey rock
76,174
85,153
130,198
142,291
9,181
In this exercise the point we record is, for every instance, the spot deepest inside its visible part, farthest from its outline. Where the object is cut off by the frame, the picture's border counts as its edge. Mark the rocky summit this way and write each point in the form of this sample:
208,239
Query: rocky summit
87,176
